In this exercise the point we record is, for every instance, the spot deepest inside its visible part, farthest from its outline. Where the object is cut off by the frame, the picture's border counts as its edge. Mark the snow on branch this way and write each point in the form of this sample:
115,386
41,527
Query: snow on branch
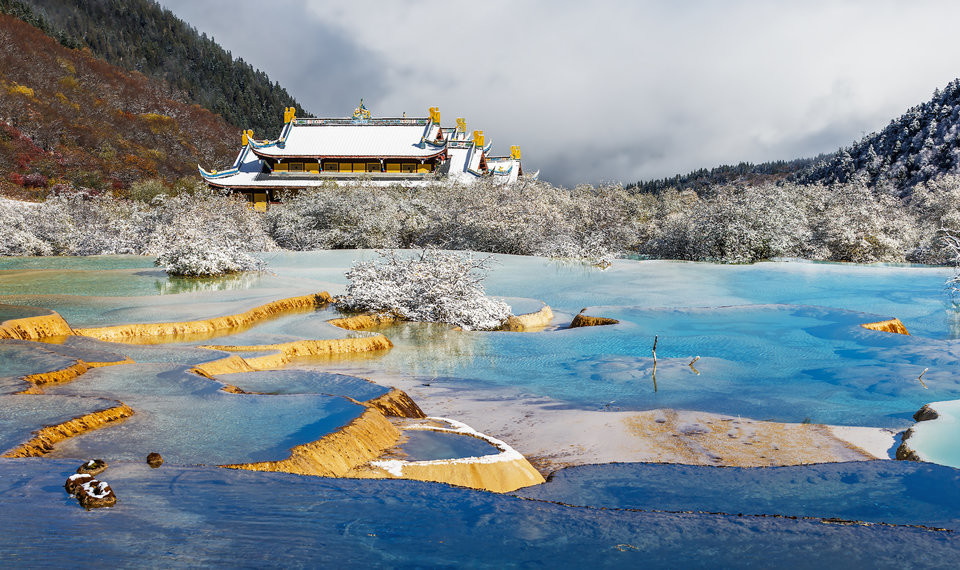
430,286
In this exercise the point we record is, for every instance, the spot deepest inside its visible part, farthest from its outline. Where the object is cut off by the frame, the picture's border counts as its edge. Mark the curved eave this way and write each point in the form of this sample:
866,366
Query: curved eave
207,175
352,156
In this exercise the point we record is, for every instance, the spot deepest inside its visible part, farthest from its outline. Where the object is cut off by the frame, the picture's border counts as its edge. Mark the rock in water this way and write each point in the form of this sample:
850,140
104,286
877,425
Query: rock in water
154,460
925,413
75,481
96,494
93,467
582,320
904,452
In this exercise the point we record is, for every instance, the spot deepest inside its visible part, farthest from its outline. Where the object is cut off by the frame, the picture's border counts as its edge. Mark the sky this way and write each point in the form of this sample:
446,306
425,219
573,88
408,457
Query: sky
601,91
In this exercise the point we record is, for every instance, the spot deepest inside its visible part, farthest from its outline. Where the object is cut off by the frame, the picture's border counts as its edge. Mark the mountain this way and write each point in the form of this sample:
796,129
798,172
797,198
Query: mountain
140,35
923,143
68,117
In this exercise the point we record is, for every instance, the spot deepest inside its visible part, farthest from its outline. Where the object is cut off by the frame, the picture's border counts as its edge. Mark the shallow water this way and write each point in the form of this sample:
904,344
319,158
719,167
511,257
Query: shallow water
429,445
189,420
176,516
776,341
895,492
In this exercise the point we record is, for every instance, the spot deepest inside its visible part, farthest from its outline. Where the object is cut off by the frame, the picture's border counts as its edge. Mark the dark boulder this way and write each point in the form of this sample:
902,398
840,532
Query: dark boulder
154,460
904,452
96,494
75,481
93,467
925,413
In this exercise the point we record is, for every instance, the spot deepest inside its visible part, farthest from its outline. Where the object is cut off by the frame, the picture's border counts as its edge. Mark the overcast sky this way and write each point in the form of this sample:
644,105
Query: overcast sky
606,91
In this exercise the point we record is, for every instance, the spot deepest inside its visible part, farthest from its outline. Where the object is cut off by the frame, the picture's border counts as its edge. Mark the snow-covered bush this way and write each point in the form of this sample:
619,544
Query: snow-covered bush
16,235
527,218
430,286
199,256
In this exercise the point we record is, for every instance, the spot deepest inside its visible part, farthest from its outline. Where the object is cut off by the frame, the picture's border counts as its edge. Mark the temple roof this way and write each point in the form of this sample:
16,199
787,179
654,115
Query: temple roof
377,138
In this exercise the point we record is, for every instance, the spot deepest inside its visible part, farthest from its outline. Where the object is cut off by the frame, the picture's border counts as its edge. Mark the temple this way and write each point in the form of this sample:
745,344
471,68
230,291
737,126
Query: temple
313,152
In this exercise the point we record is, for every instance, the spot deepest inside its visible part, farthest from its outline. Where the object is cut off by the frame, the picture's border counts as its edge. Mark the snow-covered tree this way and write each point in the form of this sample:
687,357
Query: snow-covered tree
429,286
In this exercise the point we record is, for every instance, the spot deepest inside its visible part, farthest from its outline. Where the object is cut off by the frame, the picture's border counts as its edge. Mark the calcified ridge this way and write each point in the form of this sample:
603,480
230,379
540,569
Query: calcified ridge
207,326
335,455
35,328
535,321
363,322
582,320
531,322
45,438
889,325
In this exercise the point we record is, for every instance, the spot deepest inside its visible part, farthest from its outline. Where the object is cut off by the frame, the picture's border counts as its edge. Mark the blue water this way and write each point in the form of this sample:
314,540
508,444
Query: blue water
178,516
895,492
189,420
307,382
776,341
429,445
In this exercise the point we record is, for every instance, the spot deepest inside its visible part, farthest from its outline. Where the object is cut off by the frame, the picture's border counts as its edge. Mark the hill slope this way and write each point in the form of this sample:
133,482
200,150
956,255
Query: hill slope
140,35
921,144
68,117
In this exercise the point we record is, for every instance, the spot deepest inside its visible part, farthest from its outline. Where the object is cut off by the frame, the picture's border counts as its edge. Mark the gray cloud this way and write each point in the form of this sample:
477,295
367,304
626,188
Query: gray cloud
607,90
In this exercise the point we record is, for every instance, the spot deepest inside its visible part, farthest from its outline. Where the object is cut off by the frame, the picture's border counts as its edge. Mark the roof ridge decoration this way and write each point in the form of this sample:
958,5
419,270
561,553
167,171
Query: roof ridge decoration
361,114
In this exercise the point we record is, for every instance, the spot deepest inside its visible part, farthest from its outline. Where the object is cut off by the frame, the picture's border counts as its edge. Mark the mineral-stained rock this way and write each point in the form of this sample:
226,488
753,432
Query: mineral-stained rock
96,494
582,320
75,481
154,460
904,452
925,413
93,467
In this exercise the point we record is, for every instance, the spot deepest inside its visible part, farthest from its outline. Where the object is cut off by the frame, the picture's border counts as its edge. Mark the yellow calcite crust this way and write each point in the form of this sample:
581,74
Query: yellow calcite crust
211,326
582,320
363,322
335,455
889,325
47,437
498,477
35,328
530,322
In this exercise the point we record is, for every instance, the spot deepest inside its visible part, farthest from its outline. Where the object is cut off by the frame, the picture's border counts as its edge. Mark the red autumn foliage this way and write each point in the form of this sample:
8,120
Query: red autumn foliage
69,117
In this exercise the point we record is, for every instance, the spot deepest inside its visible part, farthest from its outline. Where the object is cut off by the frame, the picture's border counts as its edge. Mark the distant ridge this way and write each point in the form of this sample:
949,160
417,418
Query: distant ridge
140,35
702,180
921,144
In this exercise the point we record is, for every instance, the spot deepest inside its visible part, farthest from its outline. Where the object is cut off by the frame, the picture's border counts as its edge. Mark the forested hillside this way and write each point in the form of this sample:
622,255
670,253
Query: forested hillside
703,180
140,35
922,144
67,117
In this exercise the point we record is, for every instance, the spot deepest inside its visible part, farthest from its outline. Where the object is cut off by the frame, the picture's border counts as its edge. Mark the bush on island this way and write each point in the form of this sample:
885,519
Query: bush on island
430,286
199,257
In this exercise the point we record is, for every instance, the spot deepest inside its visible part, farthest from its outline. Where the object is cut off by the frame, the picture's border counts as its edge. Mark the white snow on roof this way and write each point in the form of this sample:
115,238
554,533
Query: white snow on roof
353,140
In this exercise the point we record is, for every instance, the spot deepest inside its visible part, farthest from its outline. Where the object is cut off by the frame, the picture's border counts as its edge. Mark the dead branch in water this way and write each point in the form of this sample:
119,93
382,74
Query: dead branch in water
696,358
920,378
654,363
